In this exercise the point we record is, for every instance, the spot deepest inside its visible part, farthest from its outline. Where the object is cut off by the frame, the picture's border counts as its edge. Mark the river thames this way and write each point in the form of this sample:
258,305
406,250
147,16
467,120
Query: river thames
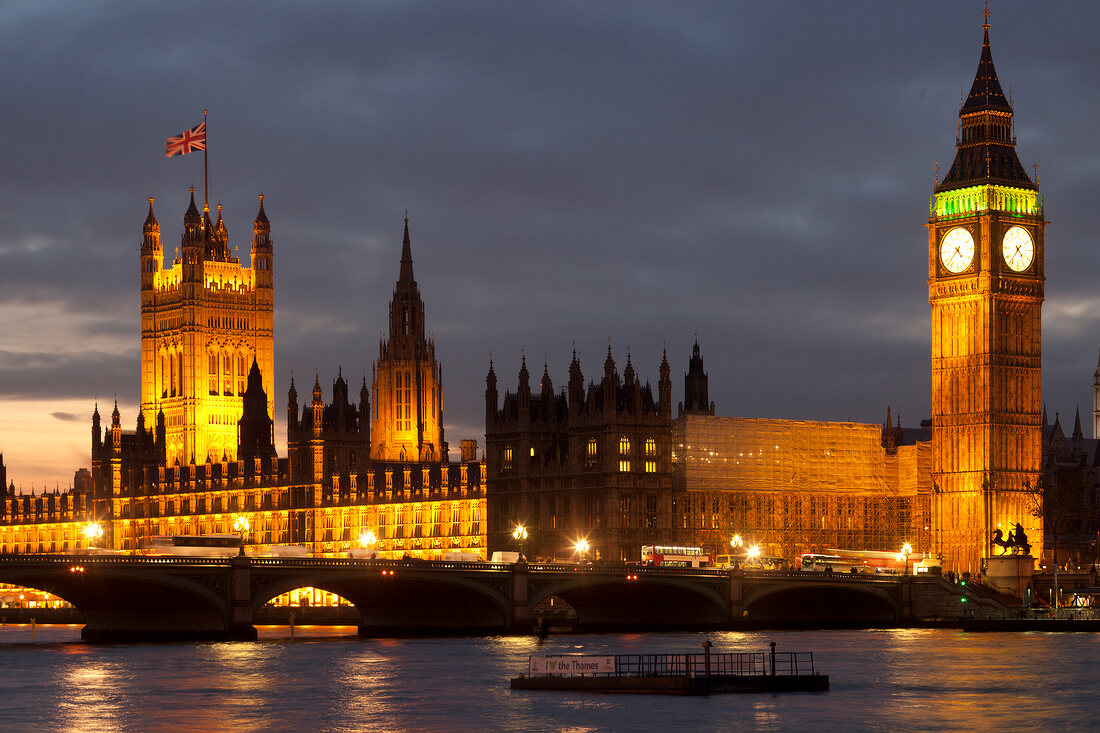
327,679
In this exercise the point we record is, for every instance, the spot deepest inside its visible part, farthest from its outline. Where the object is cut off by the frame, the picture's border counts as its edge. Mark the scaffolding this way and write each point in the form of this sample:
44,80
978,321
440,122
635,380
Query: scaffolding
793,486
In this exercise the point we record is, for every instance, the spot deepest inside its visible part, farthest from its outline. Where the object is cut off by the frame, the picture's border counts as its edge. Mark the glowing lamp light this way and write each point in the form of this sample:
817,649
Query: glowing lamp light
581,547
736,541
754,553
906,551
519,533
240,523
367,539
93,531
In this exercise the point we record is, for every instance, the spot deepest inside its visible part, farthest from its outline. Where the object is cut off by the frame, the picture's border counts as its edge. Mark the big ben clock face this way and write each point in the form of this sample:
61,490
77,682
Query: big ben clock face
1018,249
957,250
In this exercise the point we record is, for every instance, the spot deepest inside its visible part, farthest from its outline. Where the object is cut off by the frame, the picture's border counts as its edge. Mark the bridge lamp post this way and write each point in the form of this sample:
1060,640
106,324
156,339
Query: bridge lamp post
93,531
736,543
368,540
519,534
906,551
240,526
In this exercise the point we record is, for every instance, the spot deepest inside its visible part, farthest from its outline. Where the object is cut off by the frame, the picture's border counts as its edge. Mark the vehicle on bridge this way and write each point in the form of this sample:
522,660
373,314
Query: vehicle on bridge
199,545
281,551
677,556
860,561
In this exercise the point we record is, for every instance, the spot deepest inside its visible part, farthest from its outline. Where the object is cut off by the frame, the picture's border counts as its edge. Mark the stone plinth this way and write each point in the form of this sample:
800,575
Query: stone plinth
1010,573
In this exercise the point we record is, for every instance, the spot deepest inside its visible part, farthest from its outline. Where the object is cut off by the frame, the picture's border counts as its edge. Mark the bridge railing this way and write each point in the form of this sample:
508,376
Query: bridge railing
463,565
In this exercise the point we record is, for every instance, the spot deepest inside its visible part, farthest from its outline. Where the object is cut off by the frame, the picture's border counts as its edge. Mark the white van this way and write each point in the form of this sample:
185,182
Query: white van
508,557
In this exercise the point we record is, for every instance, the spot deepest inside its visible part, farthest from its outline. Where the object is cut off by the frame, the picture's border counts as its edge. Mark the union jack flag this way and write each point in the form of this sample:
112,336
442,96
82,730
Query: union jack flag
188,141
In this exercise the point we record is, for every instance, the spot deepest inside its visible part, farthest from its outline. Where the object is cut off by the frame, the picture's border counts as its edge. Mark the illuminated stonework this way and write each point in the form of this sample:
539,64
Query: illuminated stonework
204,320
986,337
407,422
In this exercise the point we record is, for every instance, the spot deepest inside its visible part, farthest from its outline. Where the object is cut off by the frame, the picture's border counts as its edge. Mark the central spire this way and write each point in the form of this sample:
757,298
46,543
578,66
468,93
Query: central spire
406,275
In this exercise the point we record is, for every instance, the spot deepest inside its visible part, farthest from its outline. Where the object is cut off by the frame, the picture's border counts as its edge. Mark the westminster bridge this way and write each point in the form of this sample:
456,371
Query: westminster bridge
134,597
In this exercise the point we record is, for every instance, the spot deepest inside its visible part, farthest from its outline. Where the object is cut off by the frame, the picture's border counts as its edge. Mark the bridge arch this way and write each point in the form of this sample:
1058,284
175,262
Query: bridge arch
399,597
644,600
115,598
825,603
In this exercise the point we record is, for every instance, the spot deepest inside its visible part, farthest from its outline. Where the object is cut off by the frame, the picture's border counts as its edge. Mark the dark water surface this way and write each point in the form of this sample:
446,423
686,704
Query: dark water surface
330,680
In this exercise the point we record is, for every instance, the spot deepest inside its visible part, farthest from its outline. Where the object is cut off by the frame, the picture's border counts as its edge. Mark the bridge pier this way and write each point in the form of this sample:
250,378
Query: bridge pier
737,595
521,612
239,624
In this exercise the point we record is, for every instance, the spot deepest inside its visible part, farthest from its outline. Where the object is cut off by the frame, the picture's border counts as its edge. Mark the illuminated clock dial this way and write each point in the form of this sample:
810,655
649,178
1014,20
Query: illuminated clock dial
1018,249
957,250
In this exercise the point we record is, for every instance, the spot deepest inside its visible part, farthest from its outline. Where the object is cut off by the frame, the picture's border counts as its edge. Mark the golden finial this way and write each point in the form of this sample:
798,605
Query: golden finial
985,15
936,177
1036,168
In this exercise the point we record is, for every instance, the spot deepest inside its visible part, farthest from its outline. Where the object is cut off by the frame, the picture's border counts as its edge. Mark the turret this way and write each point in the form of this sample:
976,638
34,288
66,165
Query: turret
1096,401
317,407
524,385
255,429
490,393
263,249
291,409
696,398
664,388
576,386
192,242
152,253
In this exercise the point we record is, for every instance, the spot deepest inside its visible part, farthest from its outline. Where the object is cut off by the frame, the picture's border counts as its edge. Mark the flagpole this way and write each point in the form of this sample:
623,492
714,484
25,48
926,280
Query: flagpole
205,174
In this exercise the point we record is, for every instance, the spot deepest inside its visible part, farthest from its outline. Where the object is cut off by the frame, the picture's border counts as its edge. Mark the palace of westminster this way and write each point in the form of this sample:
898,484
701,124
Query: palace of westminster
606,459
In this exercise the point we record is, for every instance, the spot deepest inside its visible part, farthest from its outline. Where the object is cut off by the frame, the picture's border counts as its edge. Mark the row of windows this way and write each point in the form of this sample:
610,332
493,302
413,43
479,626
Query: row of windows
592,455
227,374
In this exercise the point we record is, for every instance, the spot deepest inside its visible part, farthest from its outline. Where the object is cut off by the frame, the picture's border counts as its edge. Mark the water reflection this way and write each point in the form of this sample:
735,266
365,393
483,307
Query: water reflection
881,680
94,689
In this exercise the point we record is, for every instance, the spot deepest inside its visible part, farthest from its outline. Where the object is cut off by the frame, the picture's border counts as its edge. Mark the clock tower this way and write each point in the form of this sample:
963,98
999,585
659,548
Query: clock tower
985,286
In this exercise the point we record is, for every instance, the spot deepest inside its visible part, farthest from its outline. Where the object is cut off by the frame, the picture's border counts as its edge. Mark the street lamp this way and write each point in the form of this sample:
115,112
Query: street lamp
93,531
906,551
240,526
519,534
754,553
581,547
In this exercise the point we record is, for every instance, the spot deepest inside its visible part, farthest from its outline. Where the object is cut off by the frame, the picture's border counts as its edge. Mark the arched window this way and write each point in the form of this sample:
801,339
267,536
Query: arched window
592,453
212,378
624,454
227,375
241,374
650,455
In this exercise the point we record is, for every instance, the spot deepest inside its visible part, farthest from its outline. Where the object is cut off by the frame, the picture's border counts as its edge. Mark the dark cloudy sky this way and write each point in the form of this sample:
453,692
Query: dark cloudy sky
575,172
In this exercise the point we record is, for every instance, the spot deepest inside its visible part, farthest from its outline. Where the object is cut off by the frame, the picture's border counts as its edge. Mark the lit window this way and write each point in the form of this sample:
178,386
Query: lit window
624,454
591,453
241,374
650,455
507,458
227,375
403,399
213,377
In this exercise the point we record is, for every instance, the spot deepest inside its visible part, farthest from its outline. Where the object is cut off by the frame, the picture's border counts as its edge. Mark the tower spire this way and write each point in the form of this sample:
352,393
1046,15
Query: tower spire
406,275
986,145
